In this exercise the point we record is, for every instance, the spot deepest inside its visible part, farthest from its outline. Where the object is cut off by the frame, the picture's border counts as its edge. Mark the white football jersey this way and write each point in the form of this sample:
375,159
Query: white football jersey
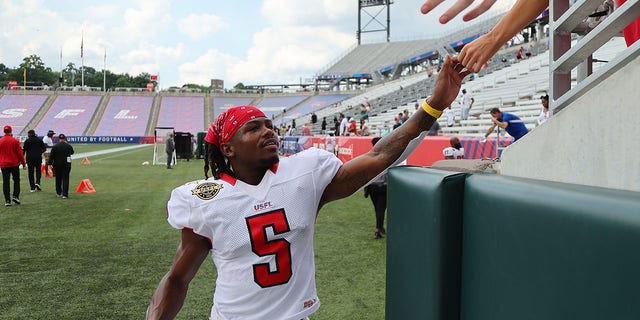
261,236
453,152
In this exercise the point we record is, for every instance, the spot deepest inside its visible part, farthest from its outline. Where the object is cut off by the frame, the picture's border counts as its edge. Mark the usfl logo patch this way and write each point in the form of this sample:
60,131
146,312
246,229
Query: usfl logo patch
207,190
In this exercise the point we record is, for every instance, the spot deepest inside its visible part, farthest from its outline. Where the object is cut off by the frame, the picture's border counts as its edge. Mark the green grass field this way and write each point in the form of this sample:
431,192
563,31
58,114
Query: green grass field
101,255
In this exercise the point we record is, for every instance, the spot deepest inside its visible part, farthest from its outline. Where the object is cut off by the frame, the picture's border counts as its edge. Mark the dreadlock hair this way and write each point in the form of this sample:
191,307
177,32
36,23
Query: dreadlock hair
215,160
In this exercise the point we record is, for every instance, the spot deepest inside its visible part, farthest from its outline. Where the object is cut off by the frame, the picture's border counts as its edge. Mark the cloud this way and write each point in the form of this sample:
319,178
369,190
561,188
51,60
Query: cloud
211,65
146,19
200,26
150,58
294,13
277,55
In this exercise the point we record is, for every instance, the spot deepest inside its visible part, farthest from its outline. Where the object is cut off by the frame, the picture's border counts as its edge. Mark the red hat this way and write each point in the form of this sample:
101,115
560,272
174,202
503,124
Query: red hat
7,129
228,122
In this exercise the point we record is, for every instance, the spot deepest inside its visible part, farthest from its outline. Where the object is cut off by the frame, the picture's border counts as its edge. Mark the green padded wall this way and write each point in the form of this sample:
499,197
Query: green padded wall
543,250
423,243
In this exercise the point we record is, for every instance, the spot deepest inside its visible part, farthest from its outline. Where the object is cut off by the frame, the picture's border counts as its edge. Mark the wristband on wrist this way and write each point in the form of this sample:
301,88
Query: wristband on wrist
430,110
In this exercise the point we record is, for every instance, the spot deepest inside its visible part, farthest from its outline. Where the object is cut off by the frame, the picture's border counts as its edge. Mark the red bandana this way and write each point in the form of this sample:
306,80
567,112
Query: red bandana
227,123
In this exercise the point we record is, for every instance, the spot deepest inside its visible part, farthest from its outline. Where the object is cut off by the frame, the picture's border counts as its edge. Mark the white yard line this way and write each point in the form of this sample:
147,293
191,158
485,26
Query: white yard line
95,153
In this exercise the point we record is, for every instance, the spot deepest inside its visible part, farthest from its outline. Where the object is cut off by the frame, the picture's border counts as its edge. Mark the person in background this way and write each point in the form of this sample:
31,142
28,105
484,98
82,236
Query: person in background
170,148
11,157
364,128
306,129
344,125
508,121
397,121
353,127
48,141
292,131
450,115
405,116
33,148
364,113
260,237
323,125
519,54
544,113
466,102
455,151
60,160
377,191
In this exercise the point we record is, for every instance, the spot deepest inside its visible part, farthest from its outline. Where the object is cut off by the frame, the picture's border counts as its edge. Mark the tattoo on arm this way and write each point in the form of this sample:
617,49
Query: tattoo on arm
354,179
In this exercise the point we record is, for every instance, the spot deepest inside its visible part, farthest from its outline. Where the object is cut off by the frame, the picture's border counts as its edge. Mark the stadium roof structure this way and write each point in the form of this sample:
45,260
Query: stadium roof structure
370,61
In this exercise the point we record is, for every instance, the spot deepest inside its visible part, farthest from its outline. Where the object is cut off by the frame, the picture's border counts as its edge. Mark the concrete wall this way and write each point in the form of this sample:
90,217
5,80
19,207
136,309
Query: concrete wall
594,141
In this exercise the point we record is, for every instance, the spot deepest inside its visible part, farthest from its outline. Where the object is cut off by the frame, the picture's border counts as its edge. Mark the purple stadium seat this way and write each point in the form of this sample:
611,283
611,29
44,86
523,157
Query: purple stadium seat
17,110
125,116
69,115
185,114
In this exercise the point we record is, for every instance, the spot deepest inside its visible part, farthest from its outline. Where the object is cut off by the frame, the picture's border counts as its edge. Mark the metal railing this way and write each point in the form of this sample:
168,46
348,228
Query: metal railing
563,57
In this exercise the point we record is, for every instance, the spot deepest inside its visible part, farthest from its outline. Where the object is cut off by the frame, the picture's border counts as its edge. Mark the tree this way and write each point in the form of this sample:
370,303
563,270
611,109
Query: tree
141,80
36,70
197,86
123,82
4,71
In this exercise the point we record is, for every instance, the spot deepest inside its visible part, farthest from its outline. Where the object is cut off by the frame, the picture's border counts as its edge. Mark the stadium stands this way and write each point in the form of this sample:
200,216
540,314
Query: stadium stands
223,103
313,104
372,60
274,106
125,116
510,85
184,113
18,109
69,114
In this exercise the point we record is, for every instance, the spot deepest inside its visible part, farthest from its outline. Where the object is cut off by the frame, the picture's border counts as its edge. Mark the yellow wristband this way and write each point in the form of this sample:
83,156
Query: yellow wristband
430,110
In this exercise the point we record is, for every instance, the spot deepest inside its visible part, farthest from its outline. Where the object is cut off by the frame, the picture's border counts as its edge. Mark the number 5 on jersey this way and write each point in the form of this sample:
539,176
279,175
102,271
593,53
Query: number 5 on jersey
262,246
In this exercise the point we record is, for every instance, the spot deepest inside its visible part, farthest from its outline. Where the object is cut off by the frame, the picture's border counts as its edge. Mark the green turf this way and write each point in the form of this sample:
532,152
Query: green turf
101,255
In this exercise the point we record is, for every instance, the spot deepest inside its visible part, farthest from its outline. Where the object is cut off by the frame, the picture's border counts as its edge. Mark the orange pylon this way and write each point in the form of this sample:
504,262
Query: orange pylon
85,187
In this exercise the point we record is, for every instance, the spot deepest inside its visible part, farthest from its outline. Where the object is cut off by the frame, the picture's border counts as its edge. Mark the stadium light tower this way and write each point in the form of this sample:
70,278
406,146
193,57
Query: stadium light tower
377,7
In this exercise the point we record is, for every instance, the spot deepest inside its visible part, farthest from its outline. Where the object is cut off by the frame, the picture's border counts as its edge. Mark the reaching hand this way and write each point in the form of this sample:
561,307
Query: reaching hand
457,8
476,53
448,83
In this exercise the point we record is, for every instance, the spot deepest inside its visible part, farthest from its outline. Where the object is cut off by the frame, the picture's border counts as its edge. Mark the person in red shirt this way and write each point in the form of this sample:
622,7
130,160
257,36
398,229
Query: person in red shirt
353,129
11,157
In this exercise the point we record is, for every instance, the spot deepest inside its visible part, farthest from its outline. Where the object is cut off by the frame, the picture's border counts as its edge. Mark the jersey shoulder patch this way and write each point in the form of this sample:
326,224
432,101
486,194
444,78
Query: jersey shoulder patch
206,190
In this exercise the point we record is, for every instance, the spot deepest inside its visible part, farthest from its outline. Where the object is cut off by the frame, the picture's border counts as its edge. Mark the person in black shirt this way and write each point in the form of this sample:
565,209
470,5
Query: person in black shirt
60,159
33,148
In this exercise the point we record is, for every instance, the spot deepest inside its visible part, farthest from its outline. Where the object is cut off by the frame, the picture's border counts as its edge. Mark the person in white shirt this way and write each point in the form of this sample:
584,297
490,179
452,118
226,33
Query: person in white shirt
466,102
544,113
455,151
48,142
256,215
344,125
450,115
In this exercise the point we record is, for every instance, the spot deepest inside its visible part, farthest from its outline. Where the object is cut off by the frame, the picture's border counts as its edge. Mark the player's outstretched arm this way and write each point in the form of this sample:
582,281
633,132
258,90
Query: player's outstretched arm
172,290
354,174
475,54
456,8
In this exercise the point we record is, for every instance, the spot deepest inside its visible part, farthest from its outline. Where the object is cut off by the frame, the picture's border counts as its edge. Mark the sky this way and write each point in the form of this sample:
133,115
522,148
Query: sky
190,41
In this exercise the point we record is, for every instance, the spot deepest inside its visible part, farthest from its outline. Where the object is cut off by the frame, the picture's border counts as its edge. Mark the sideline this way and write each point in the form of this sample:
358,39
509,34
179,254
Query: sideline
99,152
